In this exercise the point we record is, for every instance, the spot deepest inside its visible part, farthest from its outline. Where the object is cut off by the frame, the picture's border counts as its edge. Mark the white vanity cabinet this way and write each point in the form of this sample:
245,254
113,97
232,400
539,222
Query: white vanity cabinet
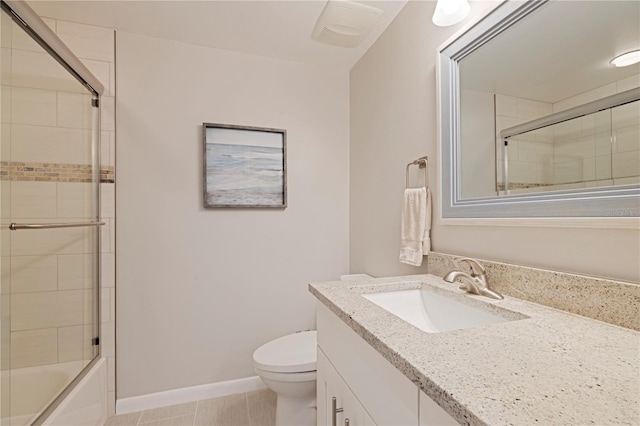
368,389
337,405
432,414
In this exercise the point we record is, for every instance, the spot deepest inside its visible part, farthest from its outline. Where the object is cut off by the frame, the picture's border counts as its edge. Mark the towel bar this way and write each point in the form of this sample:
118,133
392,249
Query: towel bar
422,164
17,226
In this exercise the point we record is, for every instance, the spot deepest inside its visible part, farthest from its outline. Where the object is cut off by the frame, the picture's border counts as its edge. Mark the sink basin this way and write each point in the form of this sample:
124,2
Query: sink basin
432,312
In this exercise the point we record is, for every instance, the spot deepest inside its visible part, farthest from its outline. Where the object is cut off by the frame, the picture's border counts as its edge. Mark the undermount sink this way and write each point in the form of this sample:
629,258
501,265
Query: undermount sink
432,312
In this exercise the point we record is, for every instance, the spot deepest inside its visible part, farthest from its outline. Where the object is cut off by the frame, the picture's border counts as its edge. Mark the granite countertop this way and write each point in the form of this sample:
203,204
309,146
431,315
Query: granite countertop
552,367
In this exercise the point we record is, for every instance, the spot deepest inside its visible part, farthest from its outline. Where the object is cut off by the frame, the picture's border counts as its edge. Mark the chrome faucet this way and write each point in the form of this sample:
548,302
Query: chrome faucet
475,282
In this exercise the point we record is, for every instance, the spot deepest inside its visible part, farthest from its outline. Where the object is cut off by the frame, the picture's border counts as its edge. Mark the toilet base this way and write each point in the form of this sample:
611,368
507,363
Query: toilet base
295,411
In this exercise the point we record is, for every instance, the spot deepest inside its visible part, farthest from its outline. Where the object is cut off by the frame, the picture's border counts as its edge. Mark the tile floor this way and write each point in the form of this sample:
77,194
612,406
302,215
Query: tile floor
256,408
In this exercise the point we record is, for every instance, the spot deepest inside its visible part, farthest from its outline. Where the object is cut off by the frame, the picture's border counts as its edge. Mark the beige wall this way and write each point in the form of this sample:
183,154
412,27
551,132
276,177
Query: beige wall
478,144
393,121
199,290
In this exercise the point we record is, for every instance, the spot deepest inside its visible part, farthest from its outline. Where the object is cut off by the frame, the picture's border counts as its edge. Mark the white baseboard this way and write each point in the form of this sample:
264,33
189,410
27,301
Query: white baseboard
182,395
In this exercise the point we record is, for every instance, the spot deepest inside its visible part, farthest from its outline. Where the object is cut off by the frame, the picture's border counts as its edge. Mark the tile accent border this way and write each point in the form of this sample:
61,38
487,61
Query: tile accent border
53,172
614,302
523,185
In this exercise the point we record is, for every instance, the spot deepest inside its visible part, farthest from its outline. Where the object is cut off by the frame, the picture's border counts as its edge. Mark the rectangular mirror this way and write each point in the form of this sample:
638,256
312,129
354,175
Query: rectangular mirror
535,120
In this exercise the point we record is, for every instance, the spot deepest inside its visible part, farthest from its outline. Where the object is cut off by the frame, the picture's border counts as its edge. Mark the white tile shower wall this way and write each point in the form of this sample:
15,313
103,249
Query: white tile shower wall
616,136
577,152
530,154
51,289
627,83
34,347
599,147
95,46
63,145
625,122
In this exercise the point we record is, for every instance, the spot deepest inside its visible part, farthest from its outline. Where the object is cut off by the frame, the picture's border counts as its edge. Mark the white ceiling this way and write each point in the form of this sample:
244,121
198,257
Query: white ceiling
279,29
569,54
561,50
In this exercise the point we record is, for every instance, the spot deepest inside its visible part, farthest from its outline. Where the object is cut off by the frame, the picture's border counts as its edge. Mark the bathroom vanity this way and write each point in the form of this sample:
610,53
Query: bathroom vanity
540,365
357,384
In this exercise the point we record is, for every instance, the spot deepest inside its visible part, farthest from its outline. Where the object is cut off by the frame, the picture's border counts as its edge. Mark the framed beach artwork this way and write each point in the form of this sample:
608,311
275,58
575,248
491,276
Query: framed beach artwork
244,166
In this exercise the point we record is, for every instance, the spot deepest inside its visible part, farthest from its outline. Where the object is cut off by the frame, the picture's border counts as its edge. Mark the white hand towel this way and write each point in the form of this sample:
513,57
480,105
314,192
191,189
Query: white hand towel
414,225
426,241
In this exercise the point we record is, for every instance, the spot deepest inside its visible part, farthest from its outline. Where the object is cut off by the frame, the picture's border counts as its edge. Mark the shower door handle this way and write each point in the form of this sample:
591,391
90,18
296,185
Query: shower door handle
16,226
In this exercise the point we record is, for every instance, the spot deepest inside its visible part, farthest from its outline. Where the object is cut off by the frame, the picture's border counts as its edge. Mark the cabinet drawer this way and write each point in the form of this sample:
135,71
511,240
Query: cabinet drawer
385,393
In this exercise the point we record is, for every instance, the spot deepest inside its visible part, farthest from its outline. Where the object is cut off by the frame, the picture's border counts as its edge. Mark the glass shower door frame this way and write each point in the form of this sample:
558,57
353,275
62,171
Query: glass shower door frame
25,18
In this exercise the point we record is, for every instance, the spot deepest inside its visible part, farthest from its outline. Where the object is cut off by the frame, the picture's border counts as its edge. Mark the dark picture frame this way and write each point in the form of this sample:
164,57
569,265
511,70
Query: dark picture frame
244,166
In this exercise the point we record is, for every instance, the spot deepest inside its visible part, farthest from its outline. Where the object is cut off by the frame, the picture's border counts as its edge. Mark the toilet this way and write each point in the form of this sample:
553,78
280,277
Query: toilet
287,365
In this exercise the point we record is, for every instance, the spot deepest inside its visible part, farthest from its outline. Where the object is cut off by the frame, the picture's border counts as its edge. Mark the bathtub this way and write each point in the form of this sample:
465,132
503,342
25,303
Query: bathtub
36,387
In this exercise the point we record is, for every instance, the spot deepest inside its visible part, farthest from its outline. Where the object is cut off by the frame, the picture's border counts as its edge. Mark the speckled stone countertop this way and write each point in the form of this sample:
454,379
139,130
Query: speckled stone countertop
546,367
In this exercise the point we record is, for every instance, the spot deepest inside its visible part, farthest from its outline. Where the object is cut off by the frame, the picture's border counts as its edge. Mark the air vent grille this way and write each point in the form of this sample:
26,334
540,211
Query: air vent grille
345,23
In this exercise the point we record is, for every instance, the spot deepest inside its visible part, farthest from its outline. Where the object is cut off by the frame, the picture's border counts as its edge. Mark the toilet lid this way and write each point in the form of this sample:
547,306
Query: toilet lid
293,353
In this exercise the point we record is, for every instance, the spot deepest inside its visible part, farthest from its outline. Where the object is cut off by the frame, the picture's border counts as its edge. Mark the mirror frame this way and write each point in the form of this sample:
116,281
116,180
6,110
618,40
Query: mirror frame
599,202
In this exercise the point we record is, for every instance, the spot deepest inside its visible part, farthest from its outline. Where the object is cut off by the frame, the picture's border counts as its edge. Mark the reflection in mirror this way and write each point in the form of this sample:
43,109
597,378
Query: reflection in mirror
525,74
597,149
533,62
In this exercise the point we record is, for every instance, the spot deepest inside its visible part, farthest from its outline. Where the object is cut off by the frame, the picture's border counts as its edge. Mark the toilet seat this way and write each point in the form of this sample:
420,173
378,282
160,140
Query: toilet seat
294,353
305,376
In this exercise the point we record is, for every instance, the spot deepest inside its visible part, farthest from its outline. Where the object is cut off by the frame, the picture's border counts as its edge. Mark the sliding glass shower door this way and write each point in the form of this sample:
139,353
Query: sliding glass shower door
49,212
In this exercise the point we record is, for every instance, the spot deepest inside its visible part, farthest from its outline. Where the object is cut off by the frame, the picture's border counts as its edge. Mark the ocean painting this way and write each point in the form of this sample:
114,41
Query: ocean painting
244,168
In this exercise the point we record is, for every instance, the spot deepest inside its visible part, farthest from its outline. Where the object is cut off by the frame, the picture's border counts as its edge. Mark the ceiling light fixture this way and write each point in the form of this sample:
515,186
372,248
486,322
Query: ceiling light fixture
345,23
626,59
450,12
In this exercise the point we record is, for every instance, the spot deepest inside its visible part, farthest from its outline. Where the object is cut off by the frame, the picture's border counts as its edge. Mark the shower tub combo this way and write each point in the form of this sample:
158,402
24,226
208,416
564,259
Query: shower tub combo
51,371
38,387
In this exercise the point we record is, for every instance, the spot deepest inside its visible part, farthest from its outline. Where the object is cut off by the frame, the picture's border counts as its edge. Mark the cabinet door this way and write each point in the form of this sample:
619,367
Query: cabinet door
431,414
355,412
321,390
388,396
330,386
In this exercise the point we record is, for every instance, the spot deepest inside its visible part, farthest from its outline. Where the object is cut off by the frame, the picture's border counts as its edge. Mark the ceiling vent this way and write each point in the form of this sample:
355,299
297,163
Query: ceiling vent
345,23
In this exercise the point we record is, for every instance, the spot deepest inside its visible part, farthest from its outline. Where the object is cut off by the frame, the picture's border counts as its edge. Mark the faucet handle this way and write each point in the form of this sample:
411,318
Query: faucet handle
476,268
